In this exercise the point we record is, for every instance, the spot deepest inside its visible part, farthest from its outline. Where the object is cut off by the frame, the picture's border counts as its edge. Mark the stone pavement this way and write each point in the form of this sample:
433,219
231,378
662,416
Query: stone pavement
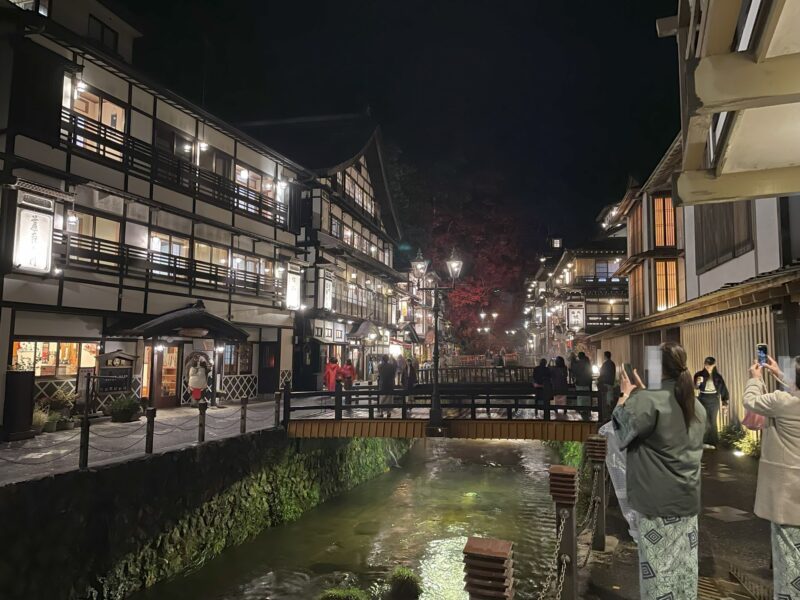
730,534
57,452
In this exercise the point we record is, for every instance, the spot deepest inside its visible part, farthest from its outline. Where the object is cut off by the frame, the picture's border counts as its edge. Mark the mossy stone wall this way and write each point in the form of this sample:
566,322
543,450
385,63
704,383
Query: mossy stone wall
107,532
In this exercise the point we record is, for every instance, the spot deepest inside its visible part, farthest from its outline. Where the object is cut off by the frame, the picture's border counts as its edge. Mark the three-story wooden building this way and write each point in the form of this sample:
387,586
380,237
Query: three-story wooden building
122,201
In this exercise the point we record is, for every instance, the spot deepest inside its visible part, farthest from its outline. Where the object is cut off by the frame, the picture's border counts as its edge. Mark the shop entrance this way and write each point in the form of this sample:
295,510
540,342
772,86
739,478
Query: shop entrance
166,391
269,360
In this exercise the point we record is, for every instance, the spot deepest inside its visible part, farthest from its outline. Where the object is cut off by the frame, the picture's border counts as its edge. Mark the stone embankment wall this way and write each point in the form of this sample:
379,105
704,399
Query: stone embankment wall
107,532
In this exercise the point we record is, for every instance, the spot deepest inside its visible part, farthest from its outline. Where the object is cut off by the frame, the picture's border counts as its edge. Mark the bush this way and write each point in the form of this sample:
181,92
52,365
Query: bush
404,584
124,408
731,435
39,418
61,401
750,445
343,594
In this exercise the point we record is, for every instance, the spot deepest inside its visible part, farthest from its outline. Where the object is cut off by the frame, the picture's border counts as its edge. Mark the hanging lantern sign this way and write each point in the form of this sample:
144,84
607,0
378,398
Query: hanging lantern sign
33,241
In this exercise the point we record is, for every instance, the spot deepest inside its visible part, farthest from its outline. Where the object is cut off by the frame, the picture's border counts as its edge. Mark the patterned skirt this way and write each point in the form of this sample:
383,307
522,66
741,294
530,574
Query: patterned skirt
668,558
786,561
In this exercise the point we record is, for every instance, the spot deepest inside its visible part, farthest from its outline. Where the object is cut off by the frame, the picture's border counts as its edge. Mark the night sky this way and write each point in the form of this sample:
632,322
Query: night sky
563,99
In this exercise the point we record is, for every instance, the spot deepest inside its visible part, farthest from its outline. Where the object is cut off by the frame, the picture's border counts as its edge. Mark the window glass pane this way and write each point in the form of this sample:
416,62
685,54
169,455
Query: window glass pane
80,223
202,252
159,242
46,355
95,29
88,355
106,229
44,6
242,174
23,354
135,235
220,256
113,115
66,93
179,247
67,359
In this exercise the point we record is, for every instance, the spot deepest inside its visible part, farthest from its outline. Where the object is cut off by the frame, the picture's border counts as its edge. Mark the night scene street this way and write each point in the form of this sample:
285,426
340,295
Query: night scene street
381,300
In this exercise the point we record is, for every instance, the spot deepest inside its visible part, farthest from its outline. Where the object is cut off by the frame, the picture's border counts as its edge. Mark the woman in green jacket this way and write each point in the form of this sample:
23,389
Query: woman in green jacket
662,431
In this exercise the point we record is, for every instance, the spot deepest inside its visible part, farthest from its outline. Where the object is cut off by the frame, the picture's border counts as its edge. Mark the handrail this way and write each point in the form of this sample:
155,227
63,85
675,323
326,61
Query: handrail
80,251
145,160
346,403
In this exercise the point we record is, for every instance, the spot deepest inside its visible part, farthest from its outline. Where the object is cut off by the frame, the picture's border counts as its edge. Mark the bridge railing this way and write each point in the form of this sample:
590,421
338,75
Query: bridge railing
477,374
458,401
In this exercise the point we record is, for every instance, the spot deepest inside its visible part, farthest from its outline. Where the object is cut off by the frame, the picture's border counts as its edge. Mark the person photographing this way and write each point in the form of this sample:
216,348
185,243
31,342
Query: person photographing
662,431
778,488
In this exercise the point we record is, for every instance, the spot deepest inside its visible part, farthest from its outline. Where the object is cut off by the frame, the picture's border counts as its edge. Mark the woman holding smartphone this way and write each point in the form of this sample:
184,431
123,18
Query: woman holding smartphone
662,431
778,489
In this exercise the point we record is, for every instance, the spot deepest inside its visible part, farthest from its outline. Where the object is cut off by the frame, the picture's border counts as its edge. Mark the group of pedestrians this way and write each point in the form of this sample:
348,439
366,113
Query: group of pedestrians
551,382
664,432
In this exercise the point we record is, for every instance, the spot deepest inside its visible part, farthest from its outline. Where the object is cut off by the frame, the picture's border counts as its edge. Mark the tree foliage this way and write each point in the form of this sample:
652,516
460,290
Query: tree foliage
445,206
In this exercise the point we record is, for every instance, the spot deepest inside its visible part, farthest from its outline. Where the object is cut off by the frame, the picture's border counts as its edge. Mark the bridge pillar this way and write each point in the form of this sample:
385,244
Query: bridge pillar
596,452
564,490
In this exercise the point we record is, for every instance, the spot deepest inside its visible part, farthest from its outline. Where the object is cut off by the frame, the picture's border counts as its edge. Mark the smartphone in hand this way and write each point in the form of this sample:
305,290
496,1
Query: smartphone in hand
762,352
628,369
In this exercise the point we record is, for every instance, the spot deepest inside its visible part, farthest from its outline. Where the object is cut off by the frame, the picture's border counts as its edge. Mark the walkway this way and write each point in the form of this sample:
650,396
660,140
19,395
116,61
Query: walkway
730,534
57,452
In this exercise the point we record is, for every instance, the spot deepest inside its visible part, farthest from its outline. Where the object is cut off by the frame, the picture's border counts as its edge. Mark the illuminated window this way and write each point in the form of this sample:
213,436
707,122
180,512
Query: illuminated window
664,215
230,359
54,359
666,284
208,253
99,120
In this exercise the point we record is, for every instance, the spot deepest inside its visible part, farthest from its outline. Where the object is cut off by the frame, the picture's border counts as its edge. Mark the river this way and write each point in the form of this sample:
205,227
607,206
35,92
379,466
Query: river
419,514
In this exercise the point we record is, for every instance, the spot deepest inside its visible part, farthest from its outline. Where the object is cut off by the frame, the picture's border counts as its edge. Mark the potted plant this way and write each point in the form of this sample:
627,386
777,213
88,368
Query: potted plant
65,423
39,419
52,423
125,408
62,402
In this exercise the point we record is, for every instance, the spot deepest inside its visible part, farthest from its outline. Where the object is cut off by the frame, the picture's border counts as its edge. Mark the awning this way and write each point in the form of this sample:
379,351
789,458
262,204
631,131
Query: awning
364,330
193,321
413,336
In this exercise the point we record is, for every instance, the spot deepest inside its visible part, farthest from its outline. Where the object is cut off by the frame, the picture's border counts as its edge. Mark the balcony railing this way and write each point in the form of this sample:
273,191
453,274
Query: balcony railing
377,311
83,252
601,280
166,169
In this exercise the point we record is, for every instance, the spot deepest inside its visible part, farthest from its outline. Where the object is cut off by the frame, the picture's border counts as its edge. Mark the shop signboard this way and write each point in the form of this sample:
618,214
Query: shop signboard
33,241
293,282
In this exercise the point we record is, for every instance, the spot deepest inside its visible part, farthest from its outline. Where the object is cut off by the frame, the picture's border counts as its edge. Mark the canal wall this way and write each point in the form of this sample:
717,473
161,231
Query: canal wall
109,531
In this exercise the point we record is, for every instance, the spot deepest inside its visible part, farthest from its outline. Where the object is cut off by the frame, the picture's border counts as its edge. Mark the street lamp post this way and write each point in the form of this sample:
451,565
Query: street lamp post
419,267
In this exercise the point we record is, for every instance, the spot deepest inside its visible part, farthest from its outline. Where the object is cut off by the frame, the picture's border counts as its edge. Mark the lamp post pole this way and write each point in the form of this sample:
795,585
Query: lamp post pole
436,404
419,268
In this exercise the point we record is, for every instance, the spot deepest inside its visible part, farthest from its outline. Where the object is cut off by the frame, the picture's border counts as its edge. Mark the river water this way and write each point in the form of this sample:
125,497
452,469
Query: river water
419,514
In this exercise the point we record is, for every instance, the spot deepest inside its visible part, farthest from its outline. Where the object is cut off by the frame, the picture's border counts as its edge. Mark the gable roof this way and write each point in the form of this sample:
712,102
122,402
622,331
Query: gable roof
328,144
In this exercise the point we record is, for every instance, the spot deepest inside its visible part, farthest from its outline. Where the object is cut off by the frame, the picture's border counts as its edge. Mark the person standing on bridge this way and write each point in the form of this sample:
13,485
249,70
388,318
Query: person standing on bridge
778,486
606,380
387,371
662,431
558,377
333,373
542,384
582,371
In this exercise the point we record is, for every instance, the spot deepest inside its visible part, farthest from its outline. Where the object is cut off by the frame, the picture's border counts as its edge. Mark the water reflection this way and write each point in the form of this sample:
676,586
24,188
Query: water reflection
419,515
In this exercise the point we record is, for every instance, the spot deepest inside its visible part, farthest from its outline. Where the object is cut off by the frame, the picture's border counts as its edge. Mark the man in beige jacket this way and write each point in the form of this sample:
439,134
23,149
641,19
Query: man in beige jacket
778,491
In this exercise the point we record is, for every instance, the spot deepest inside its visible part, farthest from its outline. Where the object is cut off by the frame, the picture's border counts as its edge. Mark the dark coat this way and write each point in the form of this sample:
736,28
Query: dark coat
558,375
386,376
541,375
582,371
719,384
608,373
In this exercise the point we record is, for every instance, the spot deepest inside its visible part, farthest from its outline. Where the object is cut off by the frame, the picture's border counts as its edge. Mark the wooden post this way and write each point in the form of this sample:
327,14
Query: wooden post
278,400
403,408
201,426
150,414
337,401
564,490
596,451
488,568
287,404
243,417
83,457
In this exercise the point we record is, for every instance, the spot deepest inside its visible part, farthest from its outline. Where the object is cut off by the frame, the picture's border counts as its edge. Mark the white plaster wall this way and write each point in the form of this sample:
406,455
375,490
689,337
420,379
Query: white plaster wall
765,257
